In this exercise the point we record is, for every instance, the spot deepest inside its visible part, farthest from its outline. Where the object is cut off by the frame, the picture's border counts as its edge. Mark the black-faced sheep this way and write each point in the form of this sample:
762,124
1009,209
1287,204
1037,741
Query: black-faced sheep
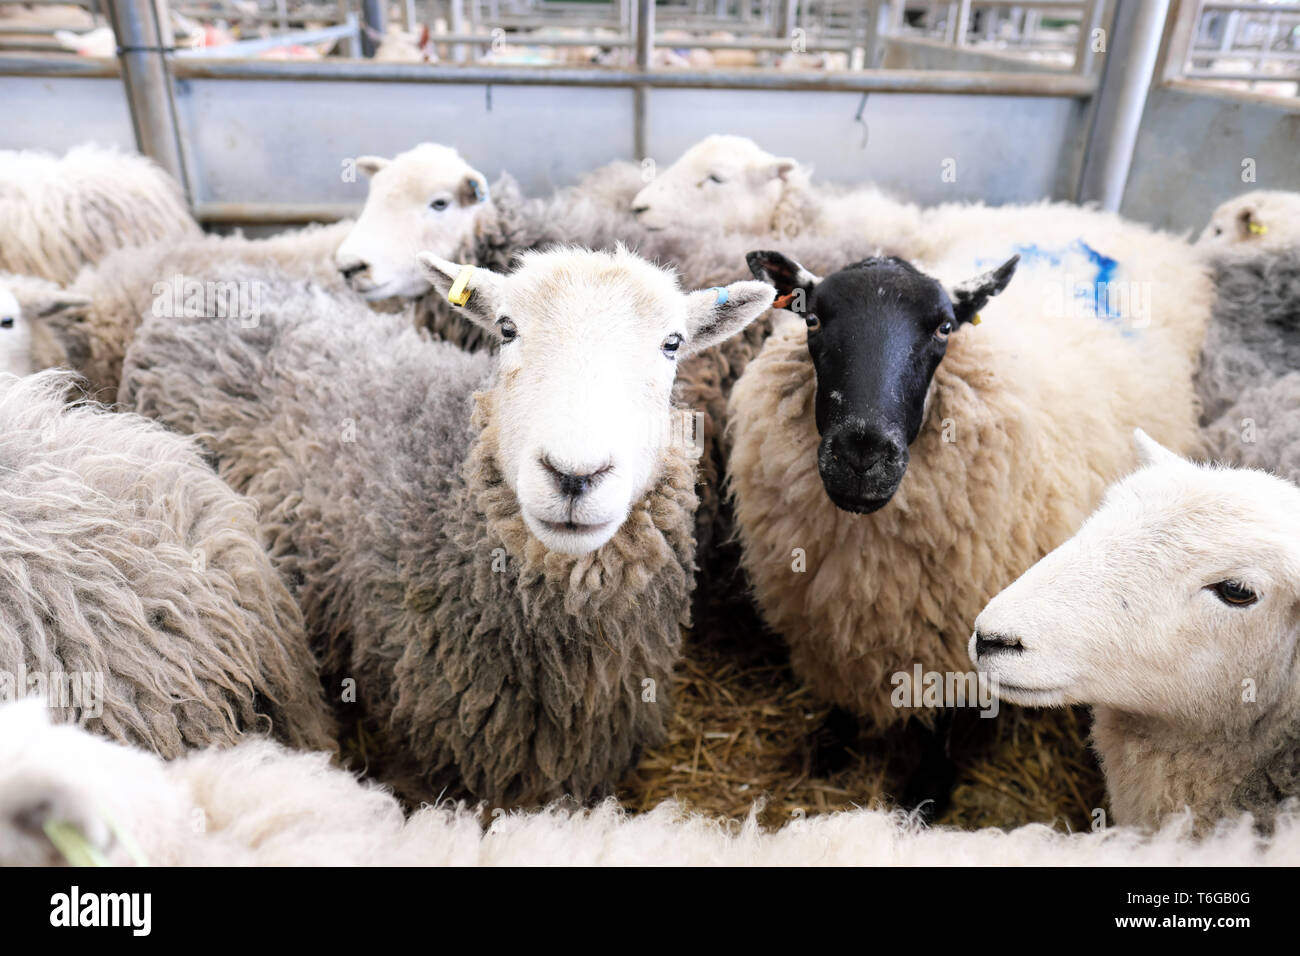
125,562
894,466
61,213
501,563
1173,612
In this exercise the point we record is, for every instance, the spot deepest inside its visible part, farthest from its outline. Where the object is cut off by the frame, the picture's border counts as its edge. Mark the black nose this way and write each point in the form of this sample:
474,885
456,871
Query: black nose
637,210
986,644
570,484
867,453
349,271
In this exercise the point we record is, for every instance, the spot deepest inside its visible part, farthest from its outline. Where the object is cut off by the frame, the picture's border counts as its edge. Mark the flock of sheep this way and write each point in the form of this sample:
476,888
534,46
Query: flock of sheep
459,473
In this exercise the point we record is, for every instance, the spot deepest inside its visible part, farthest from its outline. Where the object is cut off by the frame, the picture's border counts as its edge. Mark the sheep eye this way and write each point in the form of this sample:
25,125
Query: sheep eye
6,323
1218,230
715,178
812,321
508,331
671,345
438,205
944,330
1234,593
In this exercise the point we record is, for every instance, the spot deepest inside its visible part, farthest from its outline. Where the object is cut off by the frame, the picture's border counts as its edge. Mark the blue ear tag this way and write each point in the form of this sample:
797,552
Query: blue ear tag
480,193
723,295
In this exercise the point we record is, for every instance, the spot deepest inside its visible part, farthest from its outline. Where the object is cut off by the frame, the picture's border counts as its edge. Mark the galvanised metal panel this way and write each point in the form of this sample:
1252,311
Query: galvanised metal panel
56,113
285,141
1191,149
1004,148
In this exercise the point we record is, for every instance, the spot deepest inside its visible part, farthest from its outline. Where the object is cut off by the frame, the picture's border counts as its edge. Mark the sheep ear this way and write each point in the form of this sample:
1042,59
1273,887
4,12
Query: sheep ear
473,189
794,284
714,315
972,295
480,296
371,164
70,305
1248,227
777,169
1151,452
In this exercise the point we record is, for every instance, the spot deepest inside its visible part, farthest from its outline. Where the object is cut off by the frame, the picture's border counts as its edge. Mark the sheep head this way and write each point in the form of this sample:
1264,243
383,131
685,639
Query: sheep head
1178,599
877,331
721,184
1258,220
38,322
589,348
427,198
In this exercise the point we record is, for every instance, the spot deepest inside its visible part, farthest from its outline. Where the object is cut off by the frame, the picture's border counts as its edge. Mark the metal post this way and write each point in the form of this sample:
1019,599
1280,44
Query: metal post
409,19
1088,22
962,26
347,48
375,15
645,42
1132,49
142,47
457,28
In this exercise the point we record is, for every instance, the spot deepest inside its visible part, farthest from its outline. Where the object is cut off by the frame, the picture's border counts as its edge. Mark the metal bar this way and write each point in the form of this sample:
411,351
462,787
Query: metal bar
457,23
1121,98
645,45
1090,21
248,214
374,14
864,81
142,40
83,66
262,44
962,27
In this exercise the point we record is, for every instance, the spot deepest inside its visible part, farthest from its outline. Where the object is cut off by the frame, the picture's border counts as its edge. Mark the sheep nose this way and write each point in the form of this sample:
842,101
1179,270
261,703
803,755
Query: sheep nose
867,453
573,484
352,268
987,644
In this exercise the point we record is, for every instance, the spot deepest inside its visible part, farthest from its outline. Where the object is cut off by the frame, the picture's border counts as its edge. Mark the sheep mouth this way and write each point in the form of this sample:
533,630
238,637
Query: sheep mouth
1030,696
573,527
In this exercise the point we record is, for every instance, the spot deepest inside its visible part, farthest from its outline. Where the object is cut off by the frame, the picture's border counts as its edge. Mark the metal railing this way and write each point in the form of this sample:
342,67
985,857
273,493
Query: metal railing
1253,46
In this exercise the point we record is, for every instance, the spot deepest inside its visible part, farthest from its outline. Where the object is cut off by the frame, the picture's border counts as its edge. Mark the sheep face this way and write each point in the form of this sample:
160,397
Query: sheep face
721,184
1179,599
877,331
589,350
1261,219
15,336
427,198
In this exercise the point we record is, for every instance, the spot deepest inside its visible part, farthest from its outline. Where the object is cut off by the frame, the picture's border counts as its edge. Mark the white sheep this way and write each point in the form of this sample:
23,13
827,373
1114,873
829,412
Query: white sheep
259,804
60,213
87,324
1262,220
894,465
1172,612
729,184
131,576
501,563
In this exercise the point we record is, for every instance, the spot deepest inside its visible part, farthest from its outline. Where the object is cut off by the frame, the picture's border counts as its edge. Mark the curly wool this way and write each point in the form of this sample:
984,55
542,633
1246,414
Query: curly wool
484,664
1249,377
123,555
266,806
61,213
1030,419
91,339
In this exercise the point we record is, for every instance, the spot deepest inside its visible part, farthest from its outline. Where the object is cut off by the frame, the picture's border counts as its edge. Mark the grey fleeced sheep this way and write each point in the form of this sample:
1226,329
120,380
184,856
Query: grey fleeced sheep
411,509
1249,377
126,563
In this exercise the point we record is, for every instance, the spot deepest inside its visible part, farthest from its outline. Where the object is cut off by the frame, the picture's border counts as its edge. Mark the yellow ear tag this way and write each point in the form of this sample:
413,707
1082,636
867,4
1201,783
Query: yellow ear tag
1257,228
976,320
460,290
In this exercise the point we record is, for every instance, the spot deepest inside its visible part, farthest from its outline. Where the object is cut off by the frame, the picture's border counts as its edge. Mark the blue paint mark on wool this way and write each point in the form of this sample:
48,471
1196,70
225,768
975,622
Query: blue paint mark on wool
1098,272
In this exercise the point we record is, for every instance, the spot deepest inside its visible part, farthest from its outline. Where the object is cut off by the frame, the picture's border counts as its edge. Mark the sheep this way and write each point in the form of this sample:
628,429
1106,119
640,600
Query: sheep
728,184
1172,612
125,563
86,325
263,805
1248,380
1261,220
60,213
430,199
881,448
502,574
